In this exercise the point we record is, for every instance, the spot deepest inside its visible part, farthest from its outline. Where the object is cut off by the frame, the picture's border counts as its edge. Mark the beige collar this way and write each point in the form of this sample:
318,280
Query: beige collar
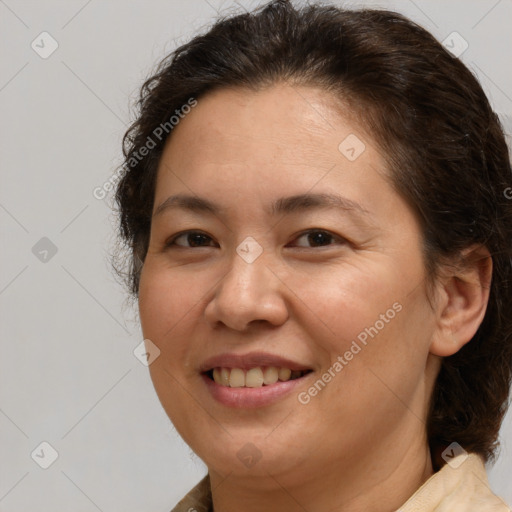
460,486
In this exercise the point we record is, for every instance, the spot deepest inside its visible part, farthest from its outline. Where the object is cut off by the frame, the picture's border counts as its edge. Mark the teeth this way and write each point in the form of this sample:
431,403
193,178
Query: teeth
270,375
284,373
224,377
237,378
253,378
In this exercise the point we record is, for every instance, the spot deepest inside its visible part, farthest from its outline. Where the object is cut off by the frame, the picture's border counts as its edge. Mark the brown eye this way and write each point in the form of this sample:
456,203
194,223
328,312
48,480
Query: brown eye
319,238
192,238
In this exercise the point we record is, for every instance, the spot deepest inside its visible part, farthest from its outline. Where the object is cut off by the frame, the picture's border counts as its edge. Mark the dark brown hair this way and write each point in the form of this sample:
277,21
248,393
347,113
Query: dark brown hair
443,143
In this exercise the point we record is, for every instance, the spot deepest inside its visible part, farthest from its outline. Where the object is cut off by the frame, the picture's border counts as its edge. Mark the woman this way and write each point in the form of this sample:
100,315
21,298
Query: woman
320,245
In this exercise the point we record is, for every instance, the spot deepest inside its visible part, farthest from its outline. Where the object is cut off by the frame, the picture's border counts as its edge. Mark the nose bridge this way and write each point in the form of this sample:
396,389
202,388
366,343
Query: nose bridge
249,291
248,273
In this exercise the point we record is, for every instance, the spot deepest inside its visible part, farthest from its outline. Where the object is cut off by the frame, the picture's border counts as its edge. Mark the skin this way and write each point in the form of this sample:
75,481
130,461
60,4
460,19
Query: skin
360,443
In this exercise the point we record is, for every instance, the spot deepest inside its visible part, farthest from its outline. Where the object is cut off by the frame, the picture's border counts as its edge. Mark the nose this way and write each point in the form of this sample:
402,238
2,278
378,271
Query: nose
249,293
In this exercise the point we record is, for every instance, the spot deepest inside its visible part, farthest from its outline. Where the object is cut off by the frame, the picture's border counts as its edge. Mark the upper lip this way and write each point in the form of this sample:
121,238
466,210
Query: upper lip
250,360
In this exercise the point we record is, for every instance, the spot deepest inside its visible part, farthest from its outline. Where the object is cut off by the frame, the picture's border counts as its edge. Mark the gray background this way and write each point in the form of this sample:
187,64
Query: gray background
68,373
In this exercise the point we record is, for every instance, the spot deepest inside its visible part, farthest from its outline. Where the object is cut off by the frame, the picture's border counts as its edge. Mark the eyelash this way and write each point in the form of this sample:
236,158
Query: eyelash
171,243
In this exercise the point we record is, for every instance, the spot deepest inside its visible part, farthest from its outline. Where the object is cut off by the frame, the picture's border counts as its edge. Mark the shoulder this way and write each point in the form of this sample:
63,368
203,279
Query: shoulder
198,499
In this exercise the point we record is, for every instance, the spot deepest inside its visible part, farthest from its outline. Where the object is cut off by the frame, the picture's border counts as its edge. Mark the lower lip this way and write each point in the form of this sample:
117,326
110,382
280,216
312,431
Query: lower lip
251,397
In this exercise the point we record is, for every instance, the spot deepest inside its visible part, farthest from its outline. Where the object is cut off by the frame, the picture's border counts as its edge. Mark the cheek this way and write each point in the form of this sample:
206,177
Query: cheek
343,302
375,316
171,309
167,316
384,350
165,299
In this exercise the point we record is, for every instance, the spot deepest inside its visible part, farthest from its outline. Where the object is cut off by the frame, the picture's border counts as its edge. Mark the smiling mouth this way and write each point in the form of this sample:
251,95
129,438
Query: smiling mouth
254,377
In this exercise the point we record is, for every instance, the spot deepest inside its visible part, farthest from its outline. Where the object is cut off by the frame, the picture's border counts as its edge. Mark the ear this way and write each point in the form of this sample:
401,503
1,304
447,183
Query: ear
462,297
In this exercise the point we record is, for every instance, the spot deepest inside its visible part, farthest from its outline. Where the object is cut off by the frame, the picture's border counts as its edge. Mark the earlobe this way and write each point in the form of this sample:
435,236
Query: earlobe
464,293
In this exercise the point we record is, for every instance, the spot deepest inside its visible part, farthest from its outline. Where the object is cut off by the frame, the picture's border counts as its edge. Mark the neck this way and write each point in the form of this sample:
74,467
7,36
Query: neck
379,482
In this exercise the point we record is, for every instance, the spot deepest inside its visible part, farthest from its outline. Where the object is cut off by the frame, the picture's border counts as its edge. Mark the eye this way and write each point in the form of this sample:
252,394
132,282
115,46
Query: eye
314,237
193,238
319,238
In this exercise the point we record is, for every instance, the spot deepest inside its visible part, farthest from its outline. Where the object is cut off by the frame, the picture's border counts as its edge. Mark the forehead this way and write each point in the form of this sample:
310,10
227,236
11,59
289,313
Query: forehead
281,132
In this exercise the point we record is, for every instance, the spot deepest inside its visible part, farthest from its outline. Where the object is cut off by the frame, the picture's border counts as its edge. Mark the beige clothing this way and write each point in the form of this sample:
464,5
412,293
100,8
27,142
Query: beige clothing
452,489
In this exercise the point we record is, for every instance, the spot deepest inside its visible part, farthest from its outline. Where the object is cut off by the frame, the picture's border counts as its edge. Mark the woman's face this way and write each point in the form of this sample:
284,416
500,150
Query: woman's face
288,248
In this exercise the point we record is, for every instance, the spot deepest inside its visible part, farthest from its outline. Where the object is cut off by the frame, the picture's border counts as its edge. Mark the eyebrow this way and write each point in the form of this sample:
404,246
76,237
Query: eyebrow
281,206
